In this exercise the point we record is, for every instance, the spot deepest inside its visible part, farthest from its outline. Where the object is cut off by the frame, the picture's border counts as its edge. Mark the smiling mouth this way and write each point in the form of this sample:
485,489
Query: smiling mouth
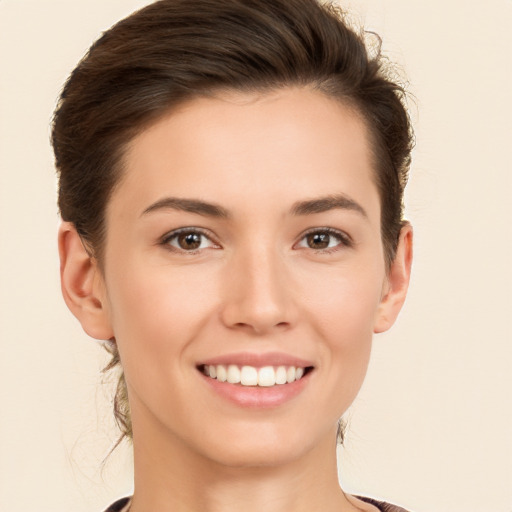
265,376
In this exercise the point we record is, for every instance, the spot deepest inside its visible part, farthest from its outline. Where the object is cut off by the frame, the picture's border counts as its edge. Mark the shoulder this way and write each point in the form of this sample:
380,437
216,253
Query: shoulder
119,505
382,506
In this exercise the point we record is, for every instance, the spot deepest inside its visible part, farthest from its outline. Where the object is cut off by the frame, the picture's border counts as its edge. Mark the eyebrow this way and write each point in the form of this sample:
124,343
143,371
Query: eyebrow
188,205
309,207
324,204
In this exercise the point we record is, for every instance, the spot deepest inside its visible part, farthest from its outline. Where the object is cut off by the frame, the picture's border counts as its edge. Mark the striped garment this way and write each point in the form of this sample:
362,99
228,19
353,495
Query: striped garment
122,504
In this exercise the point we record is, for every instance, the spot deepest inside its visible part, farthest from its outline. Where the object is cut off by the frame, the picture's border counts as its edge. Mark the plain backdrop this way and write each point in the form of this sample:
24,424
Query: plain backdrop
432,426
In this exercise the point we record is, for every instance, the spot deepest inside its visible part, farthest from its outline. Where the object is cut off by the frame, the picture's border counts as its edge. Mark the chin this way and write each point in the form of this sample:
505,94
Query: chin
256,457
260,448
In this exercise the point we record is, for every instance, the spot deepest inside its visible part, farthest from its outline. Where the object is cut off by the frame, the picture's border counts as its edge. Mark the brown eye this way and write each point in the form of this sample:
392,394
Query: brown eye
324,239
318,240
187,240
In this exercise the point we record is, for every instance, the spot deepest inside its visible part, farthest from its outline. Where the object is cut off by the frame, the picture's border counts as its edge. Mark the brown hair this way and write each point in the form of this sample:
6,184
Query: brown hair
176,50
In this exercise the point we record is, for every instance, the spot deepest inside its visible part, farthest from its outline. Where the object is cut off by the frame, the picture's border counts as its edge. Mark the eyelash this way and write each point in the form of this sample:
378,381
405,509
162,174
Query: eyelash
166,240
343,239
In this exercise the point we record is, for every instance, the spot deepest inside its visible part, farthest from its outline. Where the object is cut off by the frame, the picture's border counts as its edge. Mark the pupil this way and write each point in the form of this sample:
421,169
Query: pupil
189,241
318,240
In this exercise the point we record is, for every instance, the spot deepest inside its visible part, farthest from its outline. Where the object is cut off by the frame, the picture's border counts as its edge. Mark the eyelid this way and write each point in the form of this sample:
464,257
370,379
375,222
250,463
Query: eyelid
345,239
165,239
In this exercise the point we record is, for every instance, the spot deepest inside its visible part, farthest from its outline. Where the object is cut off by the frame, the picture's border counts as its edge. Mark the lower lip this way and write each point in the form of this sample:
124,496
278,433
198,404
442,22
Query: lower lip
257,396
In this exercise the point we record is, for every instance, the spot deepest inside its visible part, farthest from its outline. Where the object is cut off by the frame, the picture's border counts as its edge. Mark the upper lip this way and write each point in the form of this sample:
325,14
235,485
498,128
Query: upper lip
257,360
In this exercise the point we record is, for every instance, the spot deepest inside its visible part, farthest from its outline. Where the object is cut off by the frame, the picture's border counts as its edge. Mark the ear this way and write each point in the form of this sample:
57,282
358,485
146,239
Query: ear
82,284
397,282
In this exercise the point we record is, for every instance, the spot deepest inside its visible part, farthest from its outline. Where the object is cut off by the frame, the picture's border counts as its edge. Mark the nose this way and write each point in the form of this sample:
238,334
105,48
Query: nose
258,294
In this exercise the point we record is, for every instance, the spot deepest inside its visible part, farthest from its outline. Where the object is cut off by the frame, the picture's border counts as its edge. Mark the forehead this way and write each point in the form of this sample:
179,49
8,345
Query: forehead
248,148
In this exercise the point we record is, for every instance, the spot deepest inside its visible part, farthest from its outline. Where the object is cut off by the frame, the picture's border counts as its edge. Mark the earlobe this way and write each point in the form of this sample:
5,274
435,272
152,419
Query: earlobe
82,284
397,282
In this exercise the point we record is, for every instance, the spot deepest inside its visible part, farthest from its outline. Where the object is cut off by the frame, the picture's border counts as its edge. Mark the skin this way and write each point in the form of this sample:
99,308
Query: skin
254,285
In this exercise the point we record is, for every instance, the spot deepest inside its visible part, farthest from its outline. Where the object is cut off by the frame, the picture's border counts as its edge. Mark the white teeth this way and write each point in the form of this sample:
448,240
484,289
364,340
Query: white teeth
222,374
281,375
233,374
249,376
266,376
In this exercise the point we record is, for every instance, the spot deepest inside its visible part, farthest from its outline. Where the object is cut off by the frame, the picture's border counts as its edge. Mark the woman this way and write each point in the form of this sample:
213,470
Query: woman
231,175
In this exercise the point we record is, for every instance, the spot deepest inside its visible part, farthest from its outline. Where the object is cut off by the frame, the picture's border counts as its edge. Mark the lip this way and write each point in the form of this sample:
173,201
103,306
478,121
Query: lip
256,397
258,360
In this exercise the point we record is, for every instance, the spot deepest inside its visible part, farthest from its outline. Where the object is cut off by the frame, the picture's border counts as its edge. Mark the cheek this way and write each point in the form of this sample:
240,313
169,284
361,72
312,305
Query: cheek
155,314
343,310
346,303
156,317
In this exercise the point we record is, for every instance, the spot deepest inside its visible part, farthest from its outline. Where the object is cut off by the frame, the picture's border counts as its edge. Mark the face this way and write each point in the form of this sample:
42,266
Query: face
244,243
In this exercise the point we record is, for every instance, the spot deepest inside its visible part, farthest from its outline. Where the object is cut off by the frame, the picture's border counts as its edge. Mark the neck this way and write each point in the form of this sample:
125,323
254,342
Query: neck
170,477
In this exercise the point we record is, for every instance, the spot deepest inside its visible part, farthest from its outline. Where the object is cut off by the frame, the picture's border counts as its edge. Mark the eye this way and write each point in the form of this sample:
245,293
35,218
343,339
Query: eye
323,239
188,239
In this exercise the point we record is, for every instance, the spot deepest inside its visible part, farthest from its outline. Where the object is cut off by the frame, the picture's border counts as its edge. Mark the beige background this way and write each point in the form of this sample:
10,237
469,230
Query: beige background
432,427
